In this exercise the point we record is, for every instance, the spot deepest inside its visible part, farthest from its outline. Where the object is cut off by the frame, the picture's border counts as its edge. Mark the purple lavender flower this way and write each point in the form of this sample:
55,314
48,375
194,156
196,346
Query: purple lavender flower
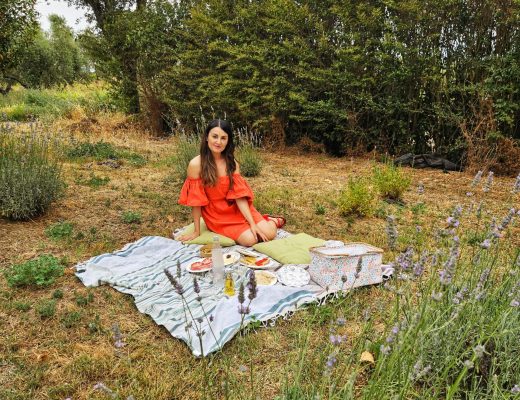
516,186
393,334
507,220
331,361
476,179
253,290
391,232
336,340
405,260
486,244
179,272
341,321
514,303
478,292
178,287
479,350
489,182
446,275
241,296
515,389
118,337
437,296
243,310
459,296
196,287
385,349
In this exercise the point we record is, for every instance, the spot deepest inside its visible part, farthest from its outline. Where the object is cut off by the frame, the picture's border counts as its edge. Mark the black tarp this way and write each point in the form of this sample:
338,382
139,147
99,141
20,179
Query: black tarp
426,161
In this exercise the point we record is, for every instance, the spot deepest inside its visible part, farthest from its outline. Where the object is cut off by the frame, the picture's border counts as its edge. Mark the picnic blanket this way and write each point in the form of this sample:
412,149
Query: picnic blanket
206,321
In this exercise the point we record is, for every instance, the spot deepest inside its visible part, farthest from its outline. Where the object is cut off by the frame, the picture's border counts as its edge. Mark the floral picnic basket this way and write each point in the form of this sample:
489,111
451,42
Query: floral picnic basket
347,266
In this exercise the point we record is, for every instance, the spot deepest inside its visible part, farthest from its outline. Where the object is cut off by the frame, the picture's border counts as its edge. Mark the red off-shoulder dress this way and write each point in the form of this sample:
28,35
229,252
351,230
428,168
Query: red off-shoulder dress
218,205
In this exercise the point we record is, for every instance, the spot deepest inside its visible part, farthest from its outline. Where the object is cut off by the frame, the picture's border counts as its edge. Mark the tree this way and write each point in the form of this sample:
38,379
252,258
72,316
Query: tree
17,30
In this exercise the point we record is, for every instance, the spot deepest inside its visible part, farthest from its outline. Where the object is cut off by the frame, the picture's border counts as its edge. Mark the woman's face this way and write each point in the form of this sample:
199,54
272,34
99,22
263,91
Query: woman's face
217,140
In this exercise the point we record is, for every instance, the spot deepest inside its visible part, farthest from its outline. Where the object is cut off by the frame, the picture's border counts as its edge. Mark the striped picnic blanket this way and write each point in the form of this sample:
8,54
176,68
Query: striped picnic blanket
205,323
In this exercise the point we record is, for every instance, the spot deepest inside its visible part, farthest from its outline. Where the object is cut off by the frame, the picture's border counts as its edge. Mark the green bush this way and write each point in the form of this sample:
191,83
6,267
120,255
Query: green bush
187,149
60,230
41,271
46,309
357,198
249,159
390,181
30,173
100,150
131,217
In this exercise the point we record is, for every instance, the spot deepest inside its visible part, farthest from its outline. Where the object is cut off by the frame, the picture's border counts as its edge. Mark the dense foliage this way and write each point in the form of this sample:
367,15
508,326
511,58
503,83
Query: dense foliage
351,74
30,177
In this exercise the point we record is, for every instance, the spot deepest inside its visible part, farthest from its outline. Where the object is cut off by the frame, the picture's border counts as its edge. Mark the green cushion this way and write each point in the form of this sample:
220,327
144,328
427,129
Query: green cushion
290,250
206,236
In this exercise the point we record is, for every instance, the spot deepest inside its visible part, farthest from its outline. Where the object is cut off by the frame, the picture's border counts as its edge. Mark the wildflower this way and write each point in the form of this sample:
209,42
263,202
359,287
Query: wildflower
459,296
404,260
516,186
515,389
336,339
486,244
243,310
514,303
476,179
446,275
178,287
469,364
196,287
418,371
437,296
331,361
489,182
341,321
419,266
118,337
385,349
420,187
479,350
179,269
393,334
479,289
201,333
252,287
507,220
241,297
391,232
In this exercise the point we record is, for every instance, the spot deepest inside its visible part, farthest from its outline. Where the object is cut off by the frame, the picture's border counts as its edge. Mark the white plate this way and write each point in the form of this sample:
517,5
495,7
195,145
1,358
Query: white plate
197,271
231,257
259,275
293,275
270,264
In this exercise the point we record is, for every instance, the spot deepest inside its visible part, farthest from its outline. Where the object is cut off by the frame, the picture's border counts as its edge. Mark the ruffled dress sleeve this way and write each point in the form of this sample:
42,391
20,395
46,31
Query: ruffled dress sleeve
193,194
240,189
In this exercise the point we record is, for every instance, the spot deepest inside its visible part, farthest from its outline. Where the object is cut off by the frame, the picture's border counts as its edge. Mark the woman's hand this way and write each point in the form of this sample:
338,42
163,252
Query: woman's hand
187,237
258,233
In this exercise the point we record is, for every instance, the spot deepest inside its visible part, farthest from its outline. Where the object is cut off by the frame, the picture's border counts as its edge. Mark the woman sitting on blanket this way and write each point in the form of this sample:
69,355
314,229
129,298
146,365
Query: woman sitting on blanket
219,194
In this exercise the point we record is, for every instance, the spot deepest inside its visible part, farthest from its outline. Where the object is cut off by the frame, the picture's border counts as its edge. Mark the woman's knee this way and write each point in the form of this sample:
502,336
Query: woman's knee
247,239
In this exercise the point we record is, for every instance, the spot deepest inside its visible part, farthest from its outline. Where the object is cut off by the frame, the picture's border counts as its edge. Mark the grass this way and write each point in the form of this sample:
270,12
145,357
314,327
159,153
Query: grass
65,353
23,105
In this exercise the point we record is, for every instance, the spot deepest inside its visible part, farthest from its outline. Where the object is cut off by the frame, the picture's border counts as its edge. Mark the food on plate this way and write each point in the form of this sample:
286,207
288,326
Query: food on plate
262,261
265,278
255,261
205,251
205,264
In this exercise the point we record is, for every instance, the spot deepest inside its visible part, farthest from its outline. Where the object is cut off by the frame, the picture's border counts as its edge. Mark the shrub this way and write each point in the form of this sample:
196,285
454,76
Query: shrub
187,149
357,198
390,181
99,150
41,271
30,173
60,230
249,159
71,319
131,217
46,309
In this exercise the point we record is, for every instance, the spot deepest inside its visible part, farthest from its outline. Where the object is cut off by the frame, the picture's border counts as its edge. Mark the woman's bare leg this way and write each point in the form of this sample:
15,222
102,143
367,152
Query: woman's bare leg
247,238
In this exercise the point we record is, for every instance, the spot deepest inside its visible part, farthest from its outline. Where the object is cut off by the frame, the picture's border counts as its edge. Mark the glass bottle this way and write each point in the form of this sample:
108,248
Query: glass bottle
218,262
229,285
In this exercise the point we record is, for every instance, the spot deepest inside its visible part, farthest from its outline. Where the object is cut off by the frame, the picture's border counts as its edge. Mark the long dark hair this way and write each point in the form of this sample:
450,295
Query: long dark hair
209,168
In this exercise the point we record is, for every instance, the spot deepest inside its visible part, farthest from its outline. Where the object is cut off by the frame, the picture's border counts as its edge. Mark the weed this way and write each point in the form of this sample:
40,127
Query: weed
22,306
57,294
60,230
46,308
319,209
94,181
71,319
41,271
357,199
418,209
249,159
30,175
95,325
82,301
390,181
100,150
131,217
